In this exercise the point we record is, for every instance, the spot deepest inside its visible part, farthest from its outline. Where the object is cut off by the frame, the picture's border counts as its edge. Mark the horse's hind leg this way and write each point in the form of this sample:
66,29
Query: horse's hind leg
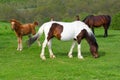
42,56
71,50
50,50
105,31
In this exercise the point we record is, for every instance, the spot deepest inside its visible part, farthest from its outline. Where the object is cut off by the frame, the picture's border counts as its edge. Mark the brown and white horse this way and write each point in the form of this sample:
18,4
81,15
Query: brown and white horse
23,29
65,31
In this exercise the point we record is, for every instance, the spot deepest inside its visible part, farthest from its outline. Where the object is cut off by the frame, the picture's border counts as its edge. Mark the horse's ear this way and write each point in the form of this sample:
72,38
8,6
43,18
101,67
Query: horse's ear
36,23
52,19
77,17
12,20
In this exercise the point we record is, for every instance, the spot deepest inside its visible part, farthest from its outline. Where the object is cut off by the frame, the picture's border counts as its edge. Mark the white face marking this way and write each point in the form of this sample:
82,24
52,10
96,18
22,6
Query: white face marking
12,23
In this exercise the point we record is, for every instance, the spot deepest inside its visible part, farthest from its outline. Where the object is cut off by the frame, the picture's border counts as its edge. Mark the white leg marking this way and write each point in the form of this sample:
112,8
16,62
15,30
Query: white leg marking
71,50
79,52
20,44
18,47
50,50
42,56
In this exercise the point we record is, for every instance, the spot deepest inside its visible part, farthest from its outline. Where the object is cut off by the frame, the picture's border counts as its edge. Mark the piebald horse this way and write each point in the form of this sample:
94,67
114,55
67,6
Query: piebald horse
65,31
23,29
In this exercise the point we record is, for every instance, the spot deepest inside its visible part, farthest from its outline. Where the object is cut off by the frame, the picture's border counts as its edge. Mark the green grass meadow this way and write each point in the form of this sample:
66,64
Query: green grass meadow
27,65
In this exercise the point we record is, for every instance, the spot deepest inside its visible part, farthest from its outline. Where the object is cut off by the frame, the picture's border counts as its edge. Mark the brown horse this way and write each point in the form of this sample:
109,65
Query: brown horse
97,21
23,29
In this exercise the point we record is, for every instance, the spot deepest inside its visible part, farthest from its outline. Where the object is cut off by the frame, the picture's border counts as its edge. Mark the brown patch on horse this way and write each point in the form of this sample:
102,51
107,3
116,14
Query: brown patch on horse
55,31
91,40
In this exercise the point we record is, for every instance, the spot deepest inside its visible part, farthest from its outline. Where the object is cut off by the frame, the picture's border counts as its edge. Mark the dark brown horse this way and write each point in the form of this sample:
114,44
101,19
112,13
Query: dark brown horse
97,21
23,29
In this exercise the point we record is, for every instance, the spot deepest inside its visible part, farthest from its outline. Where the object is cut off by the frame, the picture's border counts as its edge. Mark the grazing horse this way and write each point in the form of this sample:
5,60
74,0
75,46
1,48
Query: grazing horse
65,31
23,29
97,21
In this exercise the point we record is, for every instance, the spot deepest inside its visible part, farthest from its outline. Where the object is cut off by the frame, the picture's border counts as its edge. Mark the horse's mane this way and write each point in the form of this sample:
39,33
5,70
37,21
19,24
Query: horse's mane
14,20
88,17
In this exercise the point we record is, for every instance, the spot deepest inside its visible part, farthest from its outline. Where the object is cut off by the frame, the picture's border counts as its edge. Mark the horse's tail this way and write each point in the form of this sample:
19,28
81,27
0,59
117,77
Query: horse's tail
35,37
109,20
35,23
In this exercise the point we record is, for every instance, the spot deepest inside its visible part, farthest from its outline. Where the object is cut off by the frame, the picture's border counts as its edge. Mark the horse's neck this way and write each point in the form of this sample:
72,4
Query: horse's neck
17,27
90,39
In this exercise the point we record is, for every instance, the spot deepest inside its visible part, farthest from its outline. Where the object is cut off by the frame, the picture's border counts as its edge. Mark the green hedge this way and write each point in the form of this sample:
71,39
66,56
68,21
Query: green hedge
115,24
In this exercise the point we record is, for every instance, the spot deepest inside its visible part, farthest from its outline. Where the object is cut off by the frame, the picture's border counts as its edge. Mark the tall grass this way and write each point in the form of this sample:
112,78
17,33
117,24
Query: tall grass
26,65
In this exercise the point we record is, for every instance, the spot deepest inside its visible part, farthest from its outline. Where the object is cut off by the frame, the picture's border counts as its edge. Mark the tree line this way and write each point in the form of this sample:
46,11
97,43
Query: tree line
63,10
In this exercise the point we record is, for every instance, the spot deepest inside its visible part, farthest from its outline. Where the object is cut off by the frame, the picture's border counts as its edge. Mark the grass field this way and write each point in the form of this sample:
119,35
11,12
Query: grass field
26,65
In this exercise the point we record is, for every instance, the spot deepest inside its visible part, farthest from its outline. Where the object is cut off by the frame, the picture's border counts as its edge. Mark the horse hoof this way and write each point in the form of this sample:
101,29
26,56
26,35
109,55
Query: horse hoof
96,56
42,57
52,56
20,49
70,56
17,49
80,57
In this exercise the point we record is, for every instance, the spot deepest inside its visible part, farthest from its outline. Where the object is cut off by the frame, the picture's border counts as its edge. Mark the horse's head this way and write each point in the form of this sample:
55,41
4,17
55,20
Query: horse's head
14,24
89,36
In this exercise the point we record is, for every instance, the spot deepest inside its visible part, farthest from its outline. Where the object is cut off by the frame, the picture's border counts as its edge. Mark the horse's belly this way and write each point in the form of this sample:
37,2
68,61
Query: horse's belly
66,37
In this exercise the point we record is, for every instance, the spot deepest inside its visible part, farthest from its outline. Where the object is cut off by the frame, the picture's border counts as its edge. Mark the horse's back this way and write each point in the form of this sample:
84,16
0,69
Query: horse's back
70,29
97,20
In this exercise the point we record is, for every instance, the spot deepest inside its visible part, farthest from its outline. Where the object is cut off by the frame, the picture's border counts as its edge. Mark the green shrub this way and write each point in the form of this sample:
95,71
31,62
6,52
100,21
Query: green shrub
115,24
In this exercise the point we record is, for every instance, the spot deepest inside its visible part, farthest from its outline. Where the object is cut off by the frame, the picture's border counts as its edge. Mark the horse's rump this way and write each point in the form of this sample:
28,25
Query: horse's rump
97,21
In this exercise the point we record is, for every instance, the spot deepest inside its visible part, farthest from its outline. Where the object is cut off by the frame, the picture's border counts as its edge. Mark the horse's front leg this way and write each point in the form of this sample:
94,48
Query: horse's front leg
93,31
19,43
71,50
42,56
50,50
79,52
